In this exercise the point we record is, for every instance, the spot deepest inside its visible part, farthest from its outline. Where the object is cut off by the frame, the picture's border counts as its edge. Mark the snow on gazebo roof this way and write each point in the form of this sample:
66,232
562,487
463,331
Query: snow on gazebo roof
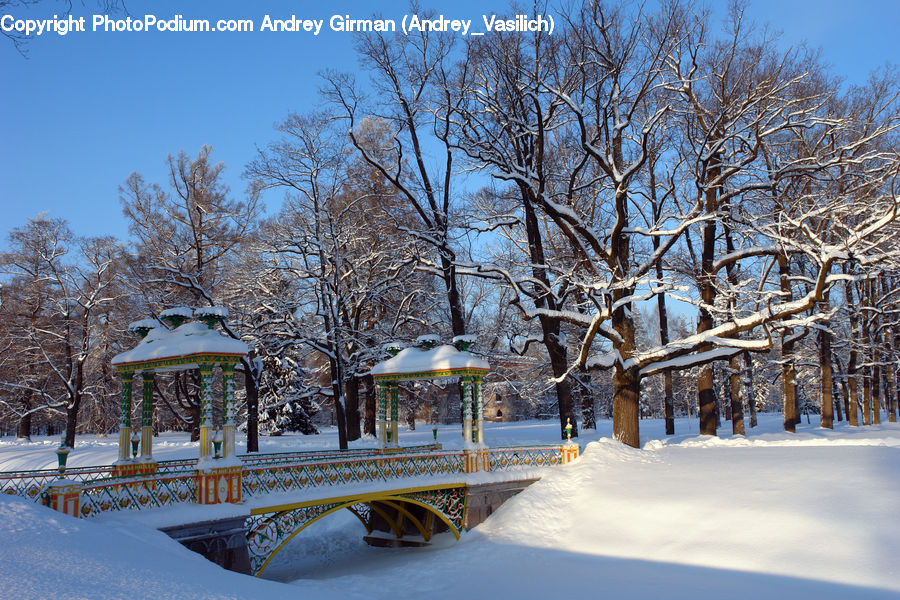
181,348
443,361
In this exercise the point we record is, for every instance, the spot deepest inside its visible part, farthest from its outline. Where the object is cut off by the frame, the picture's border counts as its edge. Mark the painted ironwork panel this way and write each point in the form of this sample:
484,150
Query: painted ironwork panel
525,456
438,374
267,533
135,493
381,467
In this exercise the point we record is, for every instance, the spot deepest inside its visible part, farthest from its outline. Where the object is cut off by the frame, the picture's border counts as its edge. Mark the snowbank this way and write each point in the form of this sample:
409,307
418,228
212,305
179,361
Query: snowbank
774,515
46,554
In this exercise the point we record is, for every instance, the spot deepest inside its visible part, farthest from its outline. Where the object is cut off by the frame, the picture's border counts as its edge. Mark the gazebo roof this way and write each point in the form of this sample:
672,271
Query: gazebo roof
415,363
185,347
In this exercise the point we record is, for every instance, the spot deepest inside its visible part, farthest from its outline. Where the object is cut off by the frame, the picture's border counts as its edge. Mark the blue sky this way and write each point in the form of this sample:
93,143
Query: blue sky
85,110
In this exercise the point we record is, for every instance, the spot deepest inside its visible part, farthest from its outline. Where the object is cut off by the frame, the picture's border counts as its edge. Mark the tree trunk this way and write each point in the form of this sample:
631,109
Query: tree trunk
875,345
668,401
748,388
351,397
865,348
550,327
559,365
825,370
24,429
853,399
72,420
706,395
369,425
251,388
737,405
836,393
626,392
706,398
846,393
867,396
852,405
893,392
588,416
788,370
341,423
194,416
876,392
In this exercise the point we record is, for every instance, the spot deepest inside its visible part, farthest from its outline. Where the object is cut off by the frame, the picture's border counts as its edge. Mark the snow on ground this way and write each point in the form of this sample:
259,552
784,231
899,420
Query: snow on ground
811,515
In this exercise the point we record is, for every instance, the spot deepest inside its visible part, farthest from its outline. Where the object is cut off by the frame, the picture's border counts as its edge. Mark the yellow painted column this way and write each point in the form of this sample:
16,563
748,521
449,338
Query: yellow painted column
206,413
228,409
125,417
147,417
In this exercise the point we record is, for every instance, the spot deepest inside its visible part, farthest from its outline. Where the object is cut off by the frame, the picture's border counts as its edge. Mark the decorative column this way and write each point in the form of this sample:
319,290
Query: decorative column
125,417
467,409
228,408
381,399
469,450
570,448
206,415
395,412
484,454
478,409
62,494
147,417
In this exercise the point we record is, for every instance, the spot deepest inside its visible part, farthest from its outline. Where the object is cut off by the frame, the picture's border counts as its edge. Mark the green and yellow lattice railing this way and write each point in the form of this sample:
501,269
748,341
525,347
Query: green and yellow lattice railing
363,469
175,481
512,457
137,492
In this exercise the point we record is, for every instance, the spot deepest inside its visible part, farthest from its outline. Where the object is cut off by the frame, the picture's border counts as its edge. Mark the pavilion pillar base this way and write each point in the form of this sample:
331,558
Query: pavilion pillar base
219,484
484,459
569,452
131,467
206,436
63,495
477,459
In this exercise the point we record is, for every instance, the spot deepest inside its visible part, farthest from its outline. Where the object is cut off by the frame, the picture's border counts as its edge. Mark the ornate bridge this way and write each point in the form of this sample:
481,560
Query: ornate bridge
283,493
413,491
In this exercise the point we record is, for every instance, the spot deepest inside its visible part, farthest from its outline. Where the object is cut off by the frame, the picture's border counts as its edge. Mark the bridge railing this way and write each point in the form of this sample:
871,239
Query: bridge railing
28,484
137,492
274,458
512,457
176,480
265,479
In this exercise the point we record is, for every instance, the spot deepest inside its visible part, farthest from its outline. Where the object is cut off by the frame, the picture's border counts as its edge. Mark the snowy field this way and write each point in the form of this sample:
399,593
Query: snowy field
812,515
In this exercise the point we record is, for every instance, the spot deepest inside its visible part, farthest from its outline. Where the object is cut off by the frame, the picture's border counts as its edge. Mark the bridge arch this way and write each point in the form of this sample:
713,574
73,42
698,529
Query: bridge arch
271,528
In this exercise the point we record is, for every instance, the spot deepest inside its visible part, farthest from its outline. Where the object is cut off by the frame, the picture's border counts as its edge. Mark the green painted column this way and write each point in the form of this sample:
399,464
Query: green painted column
381,399
228,409
478,409
147,416
206,414
125,416
395,411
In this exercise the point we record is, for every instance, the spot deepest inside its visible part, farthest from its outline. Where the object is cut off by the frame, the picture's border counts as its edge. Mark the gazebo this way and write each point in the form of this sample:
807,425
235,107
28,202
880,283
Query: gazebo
180,345
431,361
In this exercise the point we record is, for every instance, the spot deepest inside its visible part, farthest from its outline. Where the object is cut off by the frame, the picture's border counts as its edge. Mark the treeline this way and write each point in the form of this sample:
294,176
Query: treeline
553,194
